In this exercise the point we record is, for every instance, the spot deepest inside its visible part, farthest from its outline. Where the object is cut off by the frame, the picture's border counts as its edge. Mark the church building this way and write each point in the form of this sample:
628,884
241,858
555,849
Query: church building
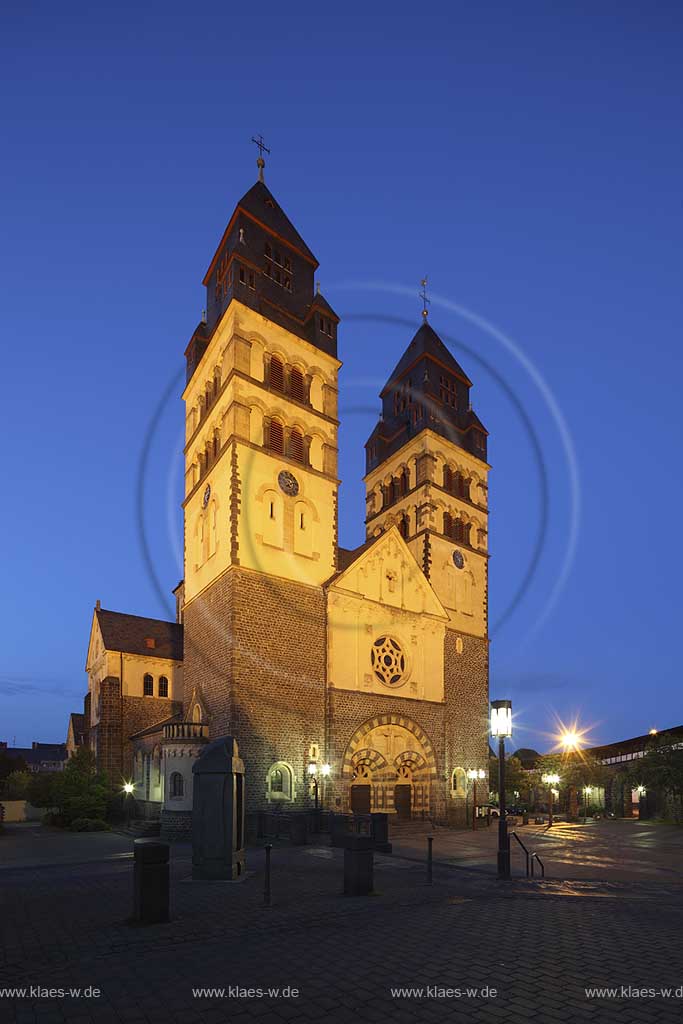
359,675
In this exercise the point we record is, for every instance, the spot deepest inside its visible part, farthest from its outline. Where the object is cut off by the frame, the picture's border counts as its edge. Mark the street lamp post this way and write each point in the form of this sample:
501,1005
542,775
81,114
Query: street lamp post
551,779
128,790
474,774
313,773
588,790
501,729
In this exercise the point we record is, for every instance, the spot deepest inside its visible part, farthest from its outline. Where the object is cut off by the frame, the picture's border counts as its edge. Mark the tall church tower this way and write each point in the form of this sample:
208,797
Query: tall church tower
427,474
261,485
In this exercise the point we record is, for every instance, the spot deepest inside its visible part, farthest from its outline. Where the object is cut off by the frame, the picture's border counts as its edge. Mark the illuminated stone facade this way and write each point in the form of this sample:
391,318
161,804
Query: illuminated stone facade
374,661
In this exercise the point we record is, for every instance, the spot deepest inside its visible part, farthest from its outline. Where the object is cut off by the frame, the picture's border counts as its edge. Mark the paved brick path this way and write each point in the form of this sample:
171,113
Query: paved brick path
538,945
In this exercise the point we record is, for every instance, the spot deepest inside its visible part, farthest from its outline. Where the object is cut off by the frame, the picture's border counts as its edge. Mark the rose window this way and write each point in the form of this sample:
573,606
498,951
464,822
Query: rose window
388,661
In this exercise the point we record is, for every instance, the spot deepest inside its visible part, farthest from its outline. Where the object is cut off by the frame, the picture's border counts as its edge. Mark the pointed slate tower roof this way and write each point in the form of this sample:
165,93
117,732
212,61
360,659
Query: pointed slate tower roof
263,262
426,343
427,390
260,204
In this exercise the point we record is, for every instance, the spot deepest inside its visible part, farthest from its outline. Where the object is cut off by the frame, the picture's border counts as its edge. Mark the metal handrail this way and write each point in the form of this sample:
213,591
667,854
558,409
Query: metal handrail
526,852
534,856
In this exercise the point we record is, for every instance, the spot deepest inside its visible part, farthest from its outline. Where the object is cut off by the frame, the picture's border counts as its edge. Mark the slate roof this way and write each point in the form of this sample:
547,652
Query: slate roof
260,203
633,745
320,302
38,753
426,342
77,721
129,633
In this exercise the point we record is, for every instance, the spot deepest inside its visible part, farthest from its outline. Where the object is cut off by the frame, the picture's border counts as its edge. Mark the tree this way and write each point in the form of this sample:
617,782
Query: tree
16,785
661,769
41,789
9,764
80,791
516,779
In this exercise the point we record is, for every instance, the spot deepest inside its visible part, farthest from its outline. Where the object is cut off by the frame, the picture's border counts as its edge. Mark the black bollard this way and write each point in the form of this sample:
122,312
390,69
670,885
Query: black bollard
266,888
358,865
150,881
430,840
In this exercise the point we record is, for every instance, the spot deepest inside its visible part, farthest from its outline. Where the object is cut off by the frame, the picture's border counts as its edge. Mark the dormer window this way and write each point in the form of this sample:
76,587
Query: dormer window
150,642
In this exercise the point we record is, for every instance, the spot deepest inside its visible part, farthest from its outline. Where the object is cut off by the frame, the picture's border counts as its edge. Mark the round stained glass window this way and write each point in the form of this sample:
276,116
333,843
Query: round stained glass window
388,661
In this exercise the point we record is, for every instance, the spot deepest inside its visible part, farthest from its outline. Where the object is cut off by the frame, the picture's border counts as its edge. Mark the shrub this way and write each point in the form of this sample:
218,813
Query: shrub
54,819
89,825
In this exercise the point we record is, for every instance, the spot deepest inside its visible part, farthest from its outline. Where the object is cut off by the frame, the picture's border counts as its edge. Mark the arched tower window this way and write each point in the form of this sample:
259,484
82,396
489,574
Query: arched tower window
448,478
277,373
296,445
276,437
297,385
447,524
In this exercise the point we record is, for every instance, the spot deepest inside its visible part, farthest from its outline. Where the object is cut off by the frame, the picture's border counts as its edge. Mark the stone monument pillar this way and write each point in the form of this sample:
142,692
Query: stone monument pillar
218,812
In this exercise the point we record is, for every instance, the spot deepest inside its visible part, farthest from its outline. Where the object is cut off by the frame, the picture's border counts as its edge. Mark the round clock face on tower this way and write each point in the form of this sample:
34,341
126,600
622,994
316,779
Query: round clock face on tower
458,560
288,483
207,495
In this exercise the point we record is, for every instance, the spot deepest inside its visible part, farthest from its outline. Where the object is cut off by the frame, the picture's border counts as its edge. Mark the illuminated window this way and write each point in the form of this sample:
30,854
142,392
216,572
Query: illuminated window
280,782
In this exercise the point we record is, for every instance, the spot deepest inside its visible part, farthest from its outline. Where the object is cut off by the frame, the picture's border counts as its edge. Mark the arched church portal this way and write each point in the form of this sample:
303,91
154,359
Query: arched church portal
389,766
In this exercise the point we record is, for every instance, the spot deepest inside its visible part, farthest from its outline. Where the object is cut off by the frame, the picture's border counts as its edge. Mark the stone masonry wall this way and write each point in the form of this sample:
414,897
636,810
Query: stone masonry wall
467,708
255,648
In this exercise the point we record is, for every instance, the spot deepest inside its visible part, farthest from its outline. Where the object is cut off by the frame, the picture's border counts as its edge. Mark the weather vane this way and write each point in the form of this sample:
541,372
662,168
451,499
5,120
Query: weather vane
262,148
425,300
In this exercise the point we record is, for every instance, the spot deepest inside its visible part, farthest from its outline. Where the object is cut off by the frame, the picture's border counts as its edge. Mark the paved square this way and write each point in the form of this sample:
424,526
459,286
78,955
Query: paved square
526,951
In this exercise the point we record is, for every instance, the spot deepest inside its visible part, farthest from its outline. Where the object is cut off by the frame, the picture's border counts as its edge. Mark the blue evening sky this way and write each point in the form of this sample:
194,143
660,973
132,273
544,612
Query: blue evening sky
527,157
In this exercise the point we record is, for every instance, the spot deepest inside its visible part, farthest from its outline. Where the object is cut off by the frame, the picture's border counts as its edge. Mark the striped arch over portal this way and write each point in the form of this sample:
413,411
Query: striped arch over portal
389,765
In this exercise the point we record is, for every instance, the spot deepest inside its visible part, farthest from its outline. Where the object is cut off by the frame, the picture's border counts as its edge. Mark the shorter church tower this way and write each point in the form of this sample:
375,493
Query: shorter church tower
427,474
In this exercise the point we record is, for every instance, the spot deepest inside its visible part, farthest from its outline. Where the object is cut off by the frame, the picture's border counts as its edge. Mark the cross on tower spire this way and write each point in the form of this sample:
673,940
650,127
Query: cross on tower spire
423,295
262,148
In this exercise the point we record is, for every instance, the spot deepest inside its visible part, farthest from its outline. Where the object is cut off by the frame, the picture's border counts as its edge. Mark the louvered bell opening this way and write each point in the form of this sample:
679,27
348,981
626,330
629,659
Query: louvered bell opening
277,374
296,446
297,386
276,438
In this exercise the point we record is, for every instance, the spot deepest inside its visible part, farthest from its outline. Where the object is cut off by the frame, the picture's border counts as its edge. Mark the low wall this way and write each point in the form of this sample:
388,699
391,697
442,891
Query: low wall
21,810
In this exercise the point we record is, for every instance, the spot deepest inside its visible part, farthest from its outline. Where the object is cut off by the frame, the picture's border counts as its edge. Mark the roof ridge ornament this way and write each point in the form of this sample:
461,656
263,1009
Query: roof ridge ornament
425,301
262,148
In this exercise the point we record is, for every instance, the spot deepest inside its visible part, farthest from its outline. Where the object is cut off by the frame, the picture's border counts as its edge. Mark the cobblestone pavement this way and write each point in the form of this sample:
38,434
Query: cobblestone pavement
617,850
538,945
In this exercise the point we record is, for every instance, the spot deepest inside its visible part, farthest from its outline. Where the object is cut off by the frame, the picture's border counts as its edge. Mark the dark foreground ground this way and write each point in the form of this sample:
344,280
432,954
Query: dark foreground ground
467,947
